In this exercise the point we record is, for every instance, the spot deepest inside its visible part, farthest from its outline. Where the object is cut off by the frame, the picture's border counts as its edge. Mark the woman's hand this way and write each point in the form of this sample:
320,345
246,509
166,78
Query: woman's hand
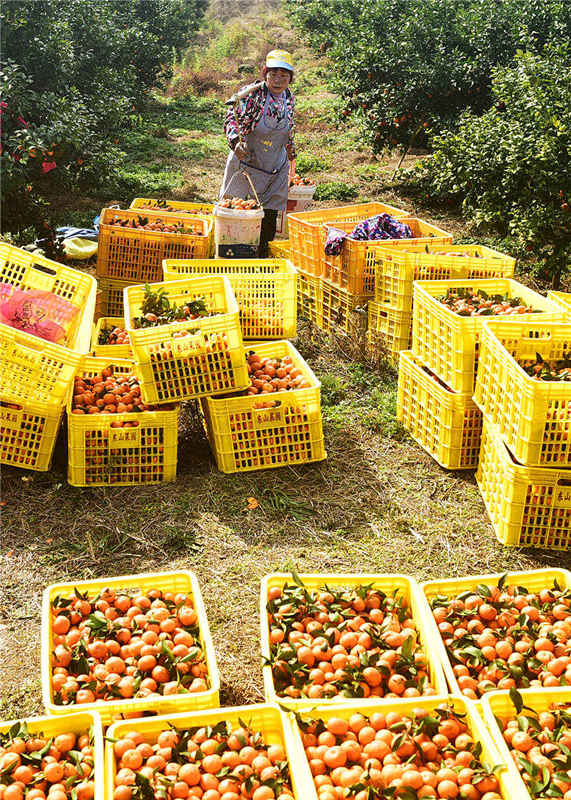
241,151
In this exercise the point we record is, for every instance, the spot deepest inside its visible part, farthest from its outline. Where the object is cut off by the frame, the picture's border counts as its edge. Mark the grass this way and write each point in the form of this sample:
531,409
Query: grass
378,503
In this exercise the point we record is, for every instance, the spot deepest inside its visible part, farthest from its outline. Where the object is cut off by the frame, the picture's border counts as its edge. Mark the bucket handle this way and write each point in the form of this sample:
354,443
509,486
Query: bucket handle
243,172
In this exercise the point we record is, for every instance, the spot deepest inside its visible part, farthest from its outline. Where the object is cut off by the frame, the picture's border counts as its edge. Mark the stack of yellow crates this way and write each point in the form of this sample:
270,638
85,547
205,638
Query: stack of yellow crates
47,311
436,378
524,473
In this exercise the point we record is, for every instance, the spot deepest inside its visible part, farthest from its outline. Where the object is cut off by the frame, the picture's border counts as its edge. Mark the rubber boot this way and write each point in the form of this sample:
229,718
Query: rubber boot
268,231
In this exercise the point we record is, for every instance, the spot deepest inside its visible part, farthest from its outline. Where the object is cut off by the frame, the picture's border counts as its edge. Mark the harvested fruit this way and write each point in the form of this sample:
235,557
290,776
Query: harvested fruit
114,335
429,753
239,203
339,642
108,393
542,370
158,310
540,743
125,644
502,637
220,762
146,224
37,767
477,303
297,180
269,375
163,205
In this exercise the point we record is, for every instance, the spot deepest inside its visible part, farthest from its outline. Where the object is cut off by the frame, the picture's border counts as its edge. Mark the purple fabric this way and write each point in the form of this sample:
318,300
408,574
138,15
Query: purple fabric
382,226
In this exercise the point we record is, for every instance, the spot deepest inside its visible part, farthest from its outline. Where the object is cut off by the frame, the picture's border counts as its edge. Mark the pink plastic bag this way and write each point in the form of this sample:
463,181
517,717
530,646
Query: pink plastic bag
32,311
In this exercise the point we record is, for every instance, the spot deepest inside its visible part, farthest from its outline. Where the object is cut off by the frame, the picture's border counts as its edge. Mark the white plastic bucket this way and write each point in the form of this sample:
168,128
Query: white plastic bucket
237,232
299,198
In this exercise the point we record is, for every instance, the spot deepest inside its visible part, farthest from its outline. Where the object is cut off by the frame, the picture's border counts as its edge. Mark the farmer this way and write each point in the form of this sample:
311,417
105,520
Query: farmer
260,135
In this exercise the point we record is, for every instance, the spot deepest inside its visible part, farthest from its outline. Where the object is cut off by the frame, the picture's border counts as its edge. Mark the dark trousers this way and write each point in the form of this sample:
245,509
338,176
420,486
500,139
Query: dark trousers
268,231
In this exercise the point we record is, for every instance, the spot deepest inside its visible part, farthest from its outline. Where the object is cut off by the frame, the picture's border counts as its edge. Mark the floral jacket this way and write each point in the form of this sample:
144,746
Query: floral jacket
249,113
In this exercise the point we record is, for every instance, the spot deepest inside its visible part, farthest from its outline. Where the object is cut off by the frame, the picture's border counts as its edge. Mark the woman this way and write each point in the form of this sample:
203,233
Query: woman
260,135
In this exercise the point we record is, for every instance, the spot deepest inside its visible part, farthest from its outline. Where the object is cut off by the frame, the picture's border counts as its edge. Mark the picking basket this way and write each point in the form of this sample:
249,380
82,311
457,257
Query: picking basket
446,424
342,311
398,264
388,330
305,230
532,416
28,433
310,298
120,449
498,706
109,350
244,436
265,291
489,753
562,300
355,266
69,289
528,506
191,358
83,722
532,580
279,248
261,718
33,370
111,297
120,708
448,343
406,586
136,254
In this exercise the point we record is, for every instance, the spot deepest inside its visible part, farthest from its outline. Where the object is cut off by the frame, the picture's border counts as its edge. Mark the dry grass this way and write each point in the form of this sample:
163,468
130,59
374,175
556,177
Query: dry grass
377,504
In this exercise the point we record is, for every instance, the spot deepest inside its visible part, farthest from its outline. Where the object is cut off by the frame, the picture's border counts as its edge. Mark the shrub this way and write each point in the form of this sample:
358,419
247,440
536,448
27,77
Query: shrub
510,167
335,190
406,67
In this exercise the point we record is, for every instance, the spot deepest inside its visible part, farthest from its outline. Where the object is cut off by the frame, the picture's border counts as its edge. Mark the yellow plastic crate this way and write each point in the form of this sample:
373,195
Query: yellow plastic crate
498,704
210,360
310,297
101,454
489,752
342,311
181,206
407,587
388,331
265,290
532,580
28,271
244,437
447,343
109,711
355,266
33,370
84,721
111,297
262,718
28,433
109,350
137,255
561,299
279,248
446,424
533,417
528,506
398,264
305,230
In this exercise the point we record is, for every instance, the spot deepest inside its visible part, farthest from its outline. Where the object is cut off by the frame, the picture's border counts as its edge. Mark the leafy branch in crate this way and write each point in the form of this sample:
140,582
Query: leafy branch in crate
157,309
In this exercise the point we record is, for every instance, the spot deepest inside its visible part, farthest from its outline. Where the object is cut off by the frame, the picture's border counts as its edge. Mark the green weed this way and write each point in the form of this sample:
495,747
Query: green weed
335,190
333,390
307,162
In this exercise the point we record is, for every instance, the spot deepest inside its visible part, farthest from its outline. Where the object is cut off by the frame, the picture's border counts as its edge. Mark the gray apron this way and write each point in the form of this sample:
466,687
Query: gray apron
268,165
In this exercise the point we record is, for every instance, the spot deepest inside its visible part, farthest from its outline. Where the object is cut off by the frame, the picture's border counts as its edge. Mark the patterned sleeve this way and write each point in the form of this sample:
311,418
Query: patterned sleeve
246,115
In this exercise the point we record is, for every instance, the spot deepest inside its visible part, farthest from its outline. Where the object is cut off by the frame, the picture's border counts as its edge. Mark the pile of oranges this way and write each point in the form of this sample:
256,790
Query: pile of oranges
269,375
114,335
541,741
238,203
107,393
427,754
37,767
503,637
210,763
118,645
344,643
